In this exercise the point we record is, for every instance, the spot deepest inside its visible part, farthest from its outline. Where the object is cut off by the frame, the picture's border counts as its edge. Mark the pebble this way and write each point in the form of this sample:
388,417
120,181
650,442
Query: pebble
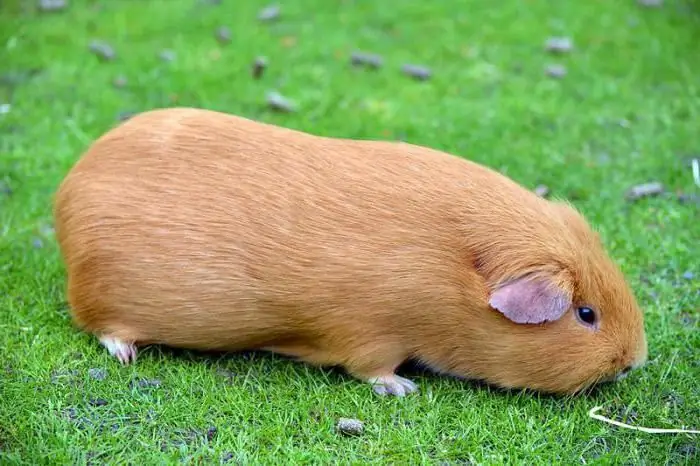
347,426
120,82
644,190
542,190
651,3
555,71
277,101
688,198
97,373
559,45
103,50
146,383
368,60
269,13
259,66
223,35
52,5
167,55
417,71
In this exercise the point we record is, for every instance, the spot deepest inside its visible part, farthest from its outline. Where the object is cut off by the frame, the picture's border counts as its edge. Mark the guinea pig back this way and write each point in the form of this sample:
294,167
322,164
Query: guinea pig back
198,229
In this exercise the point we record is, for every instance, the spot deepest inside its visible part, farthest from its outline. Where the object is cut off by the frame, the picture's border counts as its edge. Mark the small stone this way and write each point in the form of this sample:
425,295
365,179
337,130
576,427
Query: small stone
269,13
650,3
98,402
120,82
368,60
555,71
5,109
559,45
418,72
688,199
644,190
167,55
103,50
259,66
223,35
146,383
542,190
52,5
347,426
278,102
97,373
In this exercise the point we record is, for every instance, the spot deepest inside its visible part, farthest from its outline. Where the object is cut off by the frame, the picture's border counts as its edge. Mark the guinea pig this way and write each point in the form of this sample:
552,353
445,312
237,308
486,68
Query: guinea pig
197,229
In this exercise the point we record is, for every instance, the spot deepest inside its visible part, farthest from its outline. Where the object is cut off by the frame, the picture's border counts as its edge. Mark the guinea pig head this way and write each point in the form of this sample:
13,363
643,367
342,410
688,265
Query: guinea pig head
567,318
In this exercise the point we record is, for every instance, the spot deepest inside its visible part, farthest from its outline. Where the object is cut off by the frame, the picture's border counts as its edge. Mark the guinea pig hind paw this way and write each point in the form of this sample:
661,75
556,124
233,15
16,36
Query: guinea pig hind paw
123,351
392,385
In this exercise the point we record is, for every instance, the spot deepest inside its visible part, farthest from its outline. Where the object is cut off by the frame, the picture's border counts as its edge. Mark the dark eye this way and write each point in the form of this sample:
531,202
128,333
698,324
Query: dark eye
587,315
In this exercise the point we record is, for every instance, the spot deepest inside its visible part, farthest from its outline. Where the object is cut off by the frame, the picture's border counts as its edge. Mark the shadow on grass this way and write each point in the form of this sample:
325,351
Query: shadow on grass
409,369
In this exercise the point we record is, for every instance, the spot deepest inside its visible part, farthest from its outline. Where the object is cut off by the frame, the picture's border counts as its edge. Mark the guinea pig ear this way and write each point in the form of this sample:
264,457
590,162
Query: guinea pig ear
531,300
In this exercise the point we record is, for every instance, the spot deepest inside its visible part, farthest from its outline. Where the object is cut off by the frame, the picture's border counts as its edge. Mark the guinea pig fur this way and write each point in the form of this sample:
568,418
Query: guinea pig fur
197,229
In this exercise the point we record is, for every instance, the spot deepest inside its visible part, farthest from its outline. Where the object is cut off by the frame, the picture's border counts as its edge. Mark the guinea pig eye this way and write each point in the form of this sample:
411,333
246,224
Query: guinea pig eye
586,315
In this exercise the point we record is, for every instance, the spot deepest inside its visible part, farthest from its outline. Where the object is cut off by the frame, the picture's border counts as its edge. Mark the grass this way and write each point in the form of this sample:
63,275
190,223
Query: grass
627,112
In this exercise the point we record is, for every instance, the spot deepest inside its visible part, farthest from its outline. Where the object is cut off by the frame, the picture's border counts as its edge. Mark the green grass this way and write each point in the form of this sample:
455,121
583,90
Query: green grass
627,112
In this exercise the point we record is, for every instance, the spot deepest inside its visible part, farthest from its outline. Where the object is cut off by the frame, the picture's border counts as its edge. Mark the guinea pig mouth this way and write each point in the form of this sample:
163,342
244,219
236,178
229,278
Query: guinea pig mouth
616,377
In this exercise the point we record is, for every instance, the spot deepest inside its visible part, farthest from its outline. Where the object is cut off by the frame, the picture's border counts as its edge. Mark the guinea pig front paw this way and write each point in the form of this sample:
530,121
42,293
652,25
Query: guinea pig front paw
123,351
392,385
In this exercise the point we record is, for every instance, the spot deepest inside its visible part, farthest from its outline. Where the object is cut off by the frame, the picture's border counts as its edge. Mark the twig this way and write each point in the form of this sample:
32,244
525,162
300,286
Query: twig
649,430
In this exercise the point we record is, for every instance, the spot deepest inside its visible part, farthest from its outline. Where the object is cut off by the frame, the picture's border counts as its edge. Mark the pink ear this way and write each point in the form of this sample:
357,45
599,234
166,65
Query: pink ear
531,300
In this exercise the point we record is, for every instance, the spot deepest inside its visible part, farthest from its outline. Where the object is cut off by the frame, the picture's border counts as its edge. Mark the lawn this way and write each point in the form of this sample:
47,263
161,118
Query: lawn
626,111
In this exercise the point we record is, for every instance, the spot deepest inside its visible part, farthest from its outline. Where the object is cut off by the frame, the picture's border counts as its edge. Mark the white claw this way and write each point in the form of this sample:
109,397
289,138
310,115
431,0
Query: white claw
123,351
392,385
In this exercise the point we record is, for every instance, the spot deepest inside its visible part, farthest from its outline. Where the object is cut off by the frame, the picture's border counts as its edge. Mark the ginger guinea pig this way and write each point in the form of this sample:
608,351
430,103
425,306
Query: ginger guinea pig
202,230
